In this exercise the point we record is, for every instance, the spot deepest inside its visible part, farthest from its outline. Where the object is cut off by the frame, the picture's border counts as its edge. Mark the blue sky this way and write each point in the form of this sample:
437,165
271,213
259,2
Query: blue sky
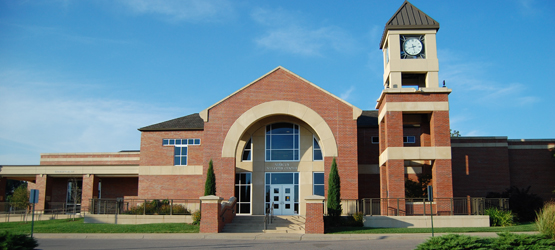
82,76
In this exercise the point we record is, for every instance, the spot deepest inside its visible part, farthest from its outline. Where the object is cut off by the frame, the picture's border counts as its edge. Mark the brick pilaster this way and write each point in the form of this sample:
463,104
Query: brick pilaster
41,184
210,214
88,191
314,214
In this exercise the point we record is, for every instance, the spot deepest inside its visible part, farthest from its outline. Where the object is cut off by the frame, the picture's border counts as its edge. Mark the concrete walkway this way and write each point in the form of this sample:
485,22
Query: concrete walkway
257,236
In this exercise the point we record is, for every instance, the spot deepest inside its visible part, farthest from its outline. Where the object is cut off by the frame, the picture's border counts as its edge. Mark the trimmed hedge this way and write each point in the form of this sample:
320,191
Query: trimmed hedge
9,241
504,241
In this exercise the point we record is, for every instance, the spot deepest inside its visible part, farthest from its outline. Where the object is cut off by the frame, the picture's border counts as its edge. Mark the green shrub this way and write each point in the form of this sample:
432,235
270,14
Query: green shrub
523,203
521,241
546,220
9,241
210,184
499,218
157,207
196,217
358,217
334,192
455,241
504,241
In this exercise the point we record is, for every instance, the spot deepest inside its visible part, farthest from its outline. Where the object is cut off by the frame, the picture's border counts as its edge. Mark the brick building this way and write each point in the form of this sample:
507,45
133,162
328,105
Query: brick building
272,143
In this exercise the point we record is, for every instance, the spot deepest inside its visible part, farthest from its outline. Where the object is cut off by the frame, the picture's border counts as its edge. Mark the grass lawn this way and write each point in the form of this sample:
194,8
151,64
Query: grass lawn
78,226
365,230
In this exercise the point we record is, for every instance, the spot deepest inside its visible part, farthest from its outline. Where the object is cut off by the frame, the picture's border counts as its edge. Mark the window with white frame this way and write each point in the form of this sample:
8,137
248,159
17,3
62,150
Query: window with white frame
180,155
247,151
409,139
318,183
282,142
243,186
316,151
175,142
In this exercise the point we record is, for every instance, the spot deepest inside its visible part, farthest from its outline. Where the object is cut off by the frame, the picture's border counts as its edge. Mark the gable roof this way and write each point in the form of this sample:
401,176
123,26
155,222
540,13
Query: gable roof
356,111
409,17
189,122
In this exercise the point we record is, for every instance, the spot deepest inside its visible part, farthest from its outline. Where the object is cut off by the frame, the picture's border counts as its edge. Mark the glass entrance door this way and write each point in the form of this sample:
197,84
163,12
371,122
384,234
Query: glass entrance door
283,197
282,193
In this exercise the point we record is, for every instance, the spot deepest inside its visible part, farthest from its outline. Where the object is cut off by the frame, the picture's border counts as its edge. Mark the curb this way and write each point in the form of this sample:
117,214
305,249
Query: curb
257,236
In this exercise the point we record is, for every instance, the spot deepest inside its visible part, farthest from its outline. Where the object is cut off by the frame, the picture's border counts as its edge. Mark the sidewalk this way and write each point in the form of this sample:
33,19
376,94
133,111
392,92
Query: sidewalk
257,236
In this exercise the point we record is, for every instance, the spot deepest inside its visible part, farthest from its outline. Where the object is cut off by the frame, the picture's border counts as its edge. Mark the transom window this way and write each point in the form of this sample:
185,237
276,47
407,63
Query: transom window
172,142
282,142
180,155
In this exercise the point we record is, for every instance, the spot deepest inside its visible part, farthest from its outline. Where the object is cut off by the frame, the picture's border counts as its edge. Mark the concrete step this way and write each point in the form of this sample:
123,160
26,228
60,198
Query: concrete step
255,223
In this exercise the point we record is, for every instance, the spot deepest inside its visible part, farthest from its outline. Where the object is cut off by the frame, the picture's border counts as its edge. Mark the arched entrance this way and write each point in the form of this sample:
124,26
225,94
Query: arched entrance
269,174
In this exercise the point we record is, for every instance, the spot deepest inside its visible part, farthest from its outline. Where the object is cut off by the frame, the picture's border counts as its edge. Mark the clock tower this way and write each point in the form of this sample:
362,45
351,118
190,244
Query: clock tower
413,110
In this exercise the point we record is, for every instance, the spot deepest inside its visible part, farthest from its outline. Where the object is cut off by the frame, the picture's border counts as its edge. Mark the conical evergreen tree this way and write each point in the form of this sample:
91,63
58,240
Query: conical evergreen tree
334,191
210,185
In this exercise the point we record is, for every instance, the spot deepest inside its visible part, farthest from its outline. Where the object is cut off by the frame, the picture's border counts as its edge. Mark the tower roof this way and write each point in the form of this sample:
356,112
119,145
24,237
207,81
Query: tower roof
408,17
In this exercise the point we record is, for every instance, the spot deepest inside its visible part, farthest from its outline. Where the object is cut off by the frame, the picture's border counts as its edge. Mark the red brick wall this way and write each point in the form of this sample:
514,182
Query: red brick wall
368,153
534,168
209,222
171,186
116,187
154,154
369,186
337,115
314,223
488,169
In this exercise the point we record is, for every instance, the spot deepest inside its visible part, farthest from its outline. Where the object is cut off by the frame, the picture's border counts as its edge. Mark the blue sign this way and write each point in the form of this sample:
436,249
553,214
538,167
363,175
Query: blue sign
34,196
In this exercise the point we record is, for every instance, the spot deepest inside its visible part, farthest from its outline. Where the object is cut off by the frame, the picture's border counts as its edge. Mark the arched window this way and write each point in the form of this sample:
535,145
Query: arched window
316,150
282,142
247,151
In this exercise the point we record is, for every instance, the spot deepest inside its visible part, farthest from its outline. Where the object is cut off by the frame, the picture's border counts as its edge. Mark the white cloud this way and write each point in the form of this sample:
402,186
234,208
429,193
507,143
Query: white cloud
471,79
347,94
183,10
54,116
287,32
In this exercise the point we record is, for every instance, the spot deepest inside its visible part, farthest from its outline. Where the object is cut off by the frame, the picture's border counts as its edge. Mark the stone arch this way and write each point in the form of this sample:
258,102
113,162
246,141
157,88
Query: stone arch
302,112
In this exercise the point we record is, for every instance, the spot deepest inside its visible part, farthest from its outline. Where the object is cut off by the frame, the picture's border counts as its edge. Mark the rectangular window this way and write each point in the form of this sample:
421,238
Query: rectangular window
318,184
409,139
243,190
173,142
282,142
375,140
180,155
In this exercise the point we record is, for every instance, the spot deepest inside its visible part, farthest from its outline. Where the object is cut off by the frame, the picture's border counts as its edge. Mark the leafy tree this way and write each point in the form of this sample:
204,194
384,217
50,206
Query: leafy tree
210,185
334,191
417,189
454,133
20,198
11,185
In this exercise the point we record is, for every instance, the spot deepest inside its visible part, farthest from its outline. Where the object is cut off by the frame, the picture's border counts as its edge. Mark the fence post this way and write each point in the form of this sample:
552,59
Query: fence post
397,206
171,207
468,207
144,208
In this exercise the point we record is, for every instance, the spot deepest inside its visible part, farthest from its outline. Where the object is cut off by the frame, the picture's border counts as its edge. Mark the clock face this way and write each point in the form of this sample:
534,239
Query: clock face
412,46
